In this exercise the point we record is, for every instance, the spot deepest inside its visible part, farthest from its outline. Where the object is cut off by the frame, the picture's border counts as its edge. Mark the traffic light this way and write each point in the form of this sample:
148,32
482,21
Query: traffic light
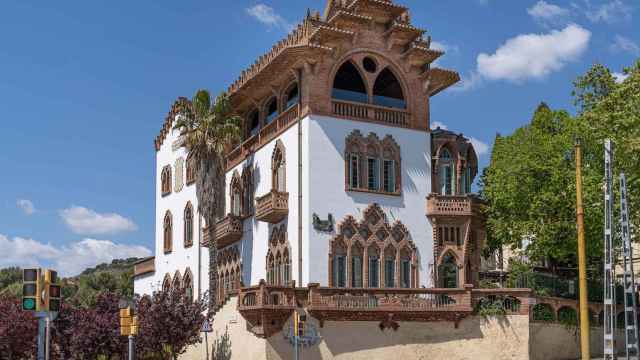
126,321
30,289
134,325
301,319
51,292
54,297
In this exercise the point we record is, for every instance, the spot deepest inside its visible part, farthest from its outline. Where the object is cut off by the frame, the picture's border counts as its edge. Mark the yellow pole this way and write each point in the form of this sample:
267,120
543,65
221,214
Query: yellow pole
582,262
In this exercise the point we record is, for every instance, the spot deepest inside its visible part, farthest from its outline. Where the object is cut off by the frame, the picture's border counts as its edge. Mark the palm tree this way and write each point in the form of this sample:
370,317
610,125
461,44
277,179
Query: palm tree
209,130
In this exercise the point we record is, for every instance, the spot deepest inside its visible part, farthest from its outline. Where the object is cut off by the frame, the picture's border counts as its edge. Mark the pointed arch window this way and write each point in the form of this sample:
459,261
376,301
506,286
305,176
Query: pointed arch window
278,259
236,195
253,122
447,173
191,170
372,165
270,110
375,253
165,180
349,85
188,225
166,283
448,272
292,96
168,232
387,91
247,191
278,168
187,285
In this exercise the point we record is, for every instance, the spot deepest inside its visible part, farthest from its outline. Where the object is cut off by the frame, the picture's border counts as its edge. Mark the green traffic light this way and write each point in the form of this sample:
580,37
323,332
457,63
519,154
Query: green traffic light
29,304
54,305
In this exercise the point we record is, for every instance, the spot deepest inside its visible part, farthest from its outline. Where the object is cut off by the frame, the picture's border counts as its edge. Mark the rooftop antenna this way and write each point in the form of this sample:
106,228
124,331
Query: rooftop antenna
630,318
609,320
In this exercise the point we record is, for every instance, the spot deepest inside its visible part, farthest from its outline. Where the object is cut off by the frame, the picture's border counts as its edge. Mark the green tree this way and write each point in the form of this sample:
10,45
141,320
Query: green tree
529,188
209,129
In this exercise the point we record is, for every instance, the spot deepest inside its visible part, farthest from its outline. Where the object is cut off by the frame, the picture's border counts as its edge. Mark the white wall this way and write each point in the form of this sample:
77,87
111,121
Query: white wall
255,239
325,190
180,258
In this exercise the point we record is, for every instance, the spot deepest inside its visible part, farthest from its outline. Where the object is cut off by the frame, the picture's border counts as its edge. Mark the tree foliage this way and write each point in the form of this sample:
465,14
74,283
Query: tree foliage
18,329
210,129
529,185
169,323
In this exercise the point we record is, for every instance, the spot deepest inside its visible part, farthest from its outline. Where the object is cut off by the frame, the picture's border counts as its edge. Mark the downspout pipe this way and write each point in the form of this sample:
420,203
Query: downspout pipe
299,177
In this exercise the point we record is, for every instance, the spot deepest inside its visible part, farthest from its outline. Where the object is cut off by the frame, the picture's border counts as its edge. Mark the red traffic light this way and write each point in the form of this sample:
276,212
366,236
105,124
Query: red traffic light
30,275
54,291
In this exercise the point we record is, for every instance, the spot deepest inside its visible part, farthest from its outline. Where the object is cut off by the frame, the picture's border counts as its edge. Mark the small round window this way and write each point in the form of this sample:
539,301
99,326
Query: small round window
369,65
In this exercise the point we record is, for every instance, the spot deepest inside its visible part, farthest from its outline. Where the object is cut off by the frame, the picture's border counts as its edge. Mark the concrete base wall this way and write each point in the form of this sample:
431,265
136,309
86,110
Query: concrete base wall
510,337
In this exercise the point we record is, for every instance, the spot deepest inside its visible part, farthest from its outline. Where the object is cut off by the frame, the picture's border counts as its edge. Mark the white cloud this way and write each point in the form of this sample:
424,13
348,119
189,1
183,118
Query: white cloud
69,259
88,222
438,124
481,147
534,56
623,44
26,206
608,12
268,16
548,14
619,77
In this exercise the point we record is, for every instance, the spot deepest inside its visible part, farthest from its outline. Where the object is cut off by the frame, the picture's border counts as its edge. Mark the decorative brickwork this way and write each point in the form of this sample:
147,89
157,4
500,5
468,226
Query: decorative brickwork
229,271
188,225
278,259
165,181
167,232
372,242
386,154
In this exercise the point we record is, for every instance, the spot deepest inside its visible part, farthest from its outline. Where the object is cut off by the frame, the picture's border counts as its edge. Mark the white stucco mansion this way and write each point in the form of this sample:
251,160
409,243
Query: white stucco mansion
339,182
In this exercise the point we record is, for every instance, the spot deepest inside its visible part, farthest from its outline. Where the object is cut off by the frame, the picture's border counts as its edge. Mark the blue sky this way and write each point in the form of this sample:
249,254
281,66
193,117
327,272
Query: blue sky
85,87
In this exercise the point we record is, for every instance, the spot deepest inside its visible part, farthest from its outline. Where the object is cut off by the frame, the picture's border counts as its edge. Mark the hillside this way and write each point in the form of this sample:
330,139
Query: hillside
116,277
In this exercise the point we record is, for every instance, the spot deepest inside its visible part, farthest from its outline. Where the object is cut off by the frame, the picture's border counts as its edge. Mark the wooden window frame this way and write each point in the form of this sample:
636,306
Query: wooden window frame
188,225
167,232
359,152
165,181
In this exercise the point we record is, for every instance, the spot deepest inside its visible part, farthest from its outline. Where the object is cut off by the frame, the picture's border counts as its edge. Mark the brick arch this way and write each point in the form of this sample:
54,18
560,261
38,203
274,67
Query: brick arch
166,283
382,61
278,155
235,194
278,259
229,263
177,281
373,233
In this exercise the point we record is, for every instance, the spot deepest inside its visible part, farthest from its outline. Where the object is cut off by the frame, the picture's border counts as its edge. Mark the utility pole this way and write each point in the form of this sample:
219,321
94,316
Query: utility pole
630,318
609,270
582,262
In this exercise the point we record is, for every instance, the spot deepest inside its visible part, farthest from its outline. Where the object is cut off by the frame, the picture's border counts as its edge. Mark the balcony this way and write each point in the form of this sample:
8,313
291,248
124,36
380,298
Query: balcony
272,207
446,205
266,134
266,308
144,266
228,231
377,304
370,113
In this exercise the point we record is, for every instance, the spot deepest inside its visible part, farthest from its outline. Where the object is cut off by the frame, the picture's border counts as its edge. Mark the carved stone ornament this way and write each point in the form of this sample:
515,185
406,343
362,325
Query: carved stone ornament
179,174
323,225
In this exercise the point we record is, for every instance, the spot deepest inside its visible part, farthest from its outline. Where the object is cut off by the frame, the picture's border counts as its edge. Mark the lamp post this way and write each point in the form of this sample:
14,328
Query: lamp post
582,260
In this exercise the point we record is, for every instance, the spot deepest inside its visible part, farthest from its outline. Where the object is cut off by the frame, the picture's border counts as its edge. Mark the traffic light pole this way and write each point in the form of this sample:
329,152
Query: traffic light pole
42,328
132,348
47,348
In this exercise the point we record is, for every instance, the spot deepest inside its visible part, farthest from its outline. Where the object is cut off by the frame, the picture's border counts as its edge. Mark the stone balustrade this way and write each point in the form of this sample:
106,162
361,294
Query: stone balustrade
272,207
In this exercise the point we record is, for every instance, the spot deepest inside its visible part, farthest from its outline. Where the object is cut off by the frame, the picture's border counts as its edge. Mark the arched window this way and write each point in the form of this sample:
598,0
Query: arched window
367,159
168,232
356,265
271,110
339,265
187,284
387,91
448,272
278,259
165,180
292,96
188,225
166,283
278,168
191,169
447,173
389,267
405,268
236,195
374,266
177,282
348,84
247,191
253,122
